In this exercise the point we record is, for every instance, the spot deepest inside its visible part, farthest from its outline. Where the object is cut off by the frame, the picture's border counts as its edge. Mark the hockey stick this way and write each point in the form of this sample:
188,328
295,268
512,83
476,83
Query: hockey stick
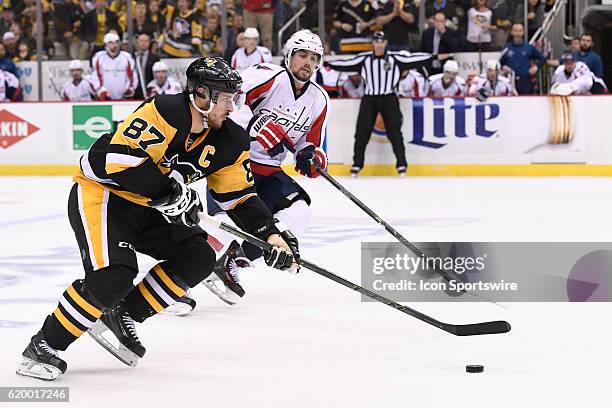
494,327
448,276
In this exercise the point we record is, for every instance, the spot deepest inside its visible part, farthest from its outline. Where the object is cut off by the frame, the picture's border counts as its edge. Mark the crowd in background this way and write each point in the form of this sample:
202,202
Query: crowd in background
76,29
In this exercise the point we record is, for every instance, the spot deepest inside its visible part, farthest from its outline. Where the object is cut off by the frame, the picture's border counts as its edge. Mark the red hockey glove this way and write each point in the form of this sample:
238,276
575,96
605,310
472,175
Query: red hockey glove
271,135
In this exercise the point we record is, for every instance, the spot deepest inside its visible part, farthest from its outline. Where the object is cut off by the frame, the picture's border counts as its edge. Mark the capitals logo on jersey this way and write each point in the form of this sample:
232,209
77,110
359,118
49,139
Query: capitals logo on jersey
269,89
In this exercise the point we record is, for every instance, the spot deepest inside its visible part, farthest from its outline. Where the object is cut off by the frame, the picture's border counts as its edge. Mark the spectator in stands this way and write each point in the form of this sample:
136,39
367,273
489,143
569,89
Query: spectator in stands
389,16
144,59
184,36
211,39
119,7
352,19
141,23
535,15
455,16
448,83
575,44
24,53
503,14
10,43
439,40
8,18
97,23
114,71
251,53
232,34
67,16
412,85
353,87
479,26
260,14
78,89
10,91
575,78
156,16
587,55
522,58
491,84
6,64
163,84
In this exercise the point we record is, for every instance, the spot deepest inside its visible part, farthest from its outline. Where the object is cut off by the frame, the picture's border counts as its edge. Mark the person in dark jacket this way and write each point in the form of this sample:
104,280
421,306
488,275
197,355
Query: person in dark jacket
522,58
439,40
97,23
588,56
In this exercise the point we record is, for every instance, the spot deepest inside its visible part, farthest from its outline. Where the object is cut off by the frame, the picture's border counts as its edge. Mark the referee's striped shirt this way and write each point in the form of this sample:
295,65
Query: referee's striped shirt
381,75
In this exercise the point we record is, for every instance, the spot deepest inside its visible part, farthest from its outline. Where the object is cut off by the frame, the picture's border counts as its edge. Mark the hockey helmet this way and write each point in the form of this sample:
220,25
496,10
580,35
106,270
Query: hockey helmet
75,64
111,37
214,74
159,66
493,65
451,66
251,32
304,40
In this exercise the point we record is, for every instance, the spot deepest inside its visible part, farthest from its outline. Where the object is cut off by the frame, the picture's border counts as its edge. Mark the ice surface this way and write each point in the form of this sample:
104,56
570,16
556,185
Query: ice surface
304,341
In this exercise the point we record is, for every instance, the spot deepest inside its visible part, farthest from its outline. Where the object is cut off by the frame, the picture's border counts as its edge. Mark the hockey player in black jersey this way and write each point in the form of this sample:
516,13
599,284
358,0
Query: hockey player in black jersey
131,195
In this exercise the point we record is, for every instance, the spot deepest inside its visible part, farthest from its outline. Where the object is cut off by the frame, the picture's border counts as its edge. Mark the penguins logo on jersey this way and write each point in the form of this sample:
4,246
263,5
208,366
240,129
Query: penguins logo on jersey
188,171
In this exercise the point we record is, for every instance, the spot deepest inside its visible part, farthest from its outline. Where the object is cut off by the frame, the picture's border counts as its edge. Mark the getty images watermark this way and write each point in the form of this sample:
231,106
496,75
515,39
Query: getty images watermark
548,272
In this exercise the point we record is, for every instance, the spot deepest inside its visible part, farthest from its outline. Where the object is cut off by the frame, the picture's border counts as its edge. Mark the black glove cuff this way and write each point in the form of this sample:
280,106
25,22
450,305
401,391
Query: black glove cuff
264,232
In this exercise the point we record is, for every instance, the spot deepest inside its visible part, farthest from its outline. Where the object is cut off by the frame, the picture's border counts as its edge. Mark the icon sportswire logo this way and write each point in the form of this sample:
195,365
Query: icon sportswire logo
14,129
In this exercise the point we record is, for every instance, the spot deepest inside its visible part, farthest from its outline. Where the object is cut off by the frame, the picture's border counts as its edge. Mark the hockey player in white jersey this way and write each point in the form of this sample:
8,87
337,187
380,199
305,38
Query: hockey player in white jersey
413,85
448,83
79,88
575,78
491,83
162,84
251,53
10,90
285,111
114,71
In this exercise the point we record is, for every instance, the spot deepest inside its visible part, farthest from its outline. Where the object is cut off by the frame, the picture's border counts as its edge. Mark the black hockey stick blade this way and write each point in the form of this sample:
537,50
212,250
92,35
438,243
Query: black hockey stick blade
496,327
457,330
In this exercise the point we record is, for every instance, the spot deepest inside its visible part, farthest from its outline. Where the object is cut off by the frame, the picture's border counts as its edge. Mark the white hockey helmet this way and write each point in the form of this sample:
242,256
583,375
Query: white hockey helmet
111,37
494,65
75,64
451,66
304,40
251,32
160,66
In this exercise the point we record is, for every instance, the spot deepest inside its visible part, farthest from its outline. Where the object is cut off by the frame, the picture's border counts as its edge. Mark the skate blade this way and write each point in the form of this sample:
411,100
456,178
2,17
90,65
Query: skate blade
227,296
178,309
101,334
34,369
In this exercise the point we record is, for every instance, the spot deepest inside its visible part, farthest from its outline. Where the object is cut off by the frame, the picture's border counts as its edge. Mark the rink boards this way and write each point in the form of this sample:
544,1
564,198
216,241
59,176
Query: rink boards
451,136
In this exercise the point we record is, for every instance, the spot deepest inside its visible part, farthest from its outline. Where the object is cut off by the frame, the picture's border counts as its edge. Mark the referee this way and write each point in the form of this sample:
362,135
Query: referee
381,72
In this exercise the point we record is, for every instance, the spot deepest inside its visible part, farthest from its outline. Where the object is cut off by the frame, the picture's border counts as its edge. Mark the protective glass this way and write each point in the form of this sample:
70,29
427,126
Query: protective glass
231,101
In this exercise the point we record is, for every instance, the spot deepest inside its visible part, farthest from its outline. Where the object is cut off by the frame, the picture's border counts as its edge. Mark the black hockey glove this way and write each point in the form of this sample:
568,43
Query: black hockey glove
181,206
305,159
285,254
482,95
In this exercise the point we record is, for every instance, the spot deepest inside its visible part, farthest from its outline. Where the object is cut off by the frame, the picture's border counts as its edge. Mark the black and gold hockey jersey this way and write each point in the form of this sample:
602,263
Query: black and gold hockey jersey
155,143
185,35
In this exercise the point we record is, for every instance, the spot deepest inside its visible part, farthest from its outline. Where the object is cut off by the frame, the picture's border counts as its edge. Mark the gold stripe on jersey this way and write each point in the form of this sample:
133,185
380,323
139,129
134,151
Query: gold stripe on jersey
231,178
82,180
67,324
88,307
145,129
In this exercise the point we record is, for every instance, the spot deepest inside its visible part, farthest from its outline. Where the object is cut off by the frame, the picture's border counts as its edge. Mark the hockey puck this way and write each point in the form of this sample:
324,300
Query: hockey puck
475,368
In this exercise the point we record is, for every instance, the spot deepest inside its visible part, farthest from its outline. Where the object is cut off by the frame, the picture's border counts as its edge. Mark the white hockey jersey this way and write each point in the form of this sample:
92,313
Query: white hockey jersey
83,91
7,80
503,86
581,78
241,61
438,90
269,89
413,86
170,87
116,75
